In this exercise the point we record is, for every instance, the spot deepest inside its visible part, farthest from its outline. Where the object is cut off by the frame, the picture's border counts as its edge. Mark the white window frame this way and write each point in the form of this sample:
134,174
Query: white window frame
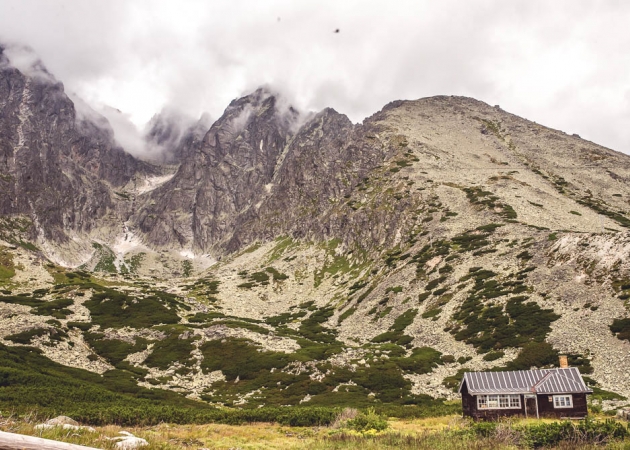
494,401
563,401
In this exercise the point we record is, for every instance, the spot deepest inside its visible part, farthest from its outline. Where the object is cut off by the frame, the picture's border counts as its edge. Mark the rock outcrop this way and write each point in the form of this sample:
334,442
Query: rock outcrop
59,166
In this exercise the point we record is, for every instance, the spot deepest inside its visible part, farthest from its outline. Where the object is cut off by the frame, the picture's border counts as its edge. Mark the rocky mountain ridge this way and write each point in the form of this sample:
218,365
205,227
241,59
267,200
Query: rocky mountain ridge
357,263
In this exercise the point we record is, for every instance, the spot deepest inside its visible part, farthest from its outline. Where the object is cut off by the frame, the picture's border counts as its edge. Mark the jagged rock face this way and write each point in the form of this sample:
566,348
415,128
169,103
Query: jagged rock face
171,134
252,179
55,167
324,163
224,176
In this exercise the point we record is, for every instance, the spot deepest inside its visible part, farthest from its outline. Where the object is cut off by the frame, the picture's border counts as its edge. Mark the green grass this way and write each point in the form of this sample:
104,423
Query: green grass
106,258
7,268
335,264
135,262
282,245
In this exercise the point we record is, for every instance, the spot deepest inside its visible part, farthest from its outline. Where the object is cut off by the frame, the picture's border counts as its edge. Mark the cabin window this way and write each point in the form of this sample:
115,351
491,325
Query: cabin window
562,401
499,401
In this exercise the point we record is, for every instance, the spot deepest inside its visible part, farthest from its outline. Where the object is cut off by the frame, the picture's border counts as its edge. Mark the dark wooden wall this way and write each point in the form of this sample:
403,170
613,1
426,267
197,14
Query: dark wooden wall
546,409
469,408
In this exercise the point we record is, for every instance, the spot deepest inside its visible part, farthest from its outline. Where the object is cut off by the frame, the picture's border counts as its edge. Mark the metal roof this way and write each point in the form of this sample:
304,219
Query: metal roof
541,381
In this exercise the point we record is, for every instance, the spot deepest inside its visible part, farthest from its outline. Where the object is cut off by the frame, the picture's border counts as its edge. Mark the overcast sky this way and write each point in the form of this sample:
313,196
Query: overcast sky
561,63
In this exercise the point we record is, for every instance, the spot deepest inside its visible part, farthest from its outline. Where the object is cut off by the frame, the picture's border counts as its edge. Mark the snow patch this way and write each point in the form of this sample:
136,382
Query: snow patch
127,242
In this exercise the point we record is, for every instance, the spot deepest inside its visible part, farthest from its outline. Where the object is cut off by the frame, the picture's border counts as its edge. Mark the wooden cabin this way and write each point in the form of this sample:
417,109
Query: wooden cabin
537,393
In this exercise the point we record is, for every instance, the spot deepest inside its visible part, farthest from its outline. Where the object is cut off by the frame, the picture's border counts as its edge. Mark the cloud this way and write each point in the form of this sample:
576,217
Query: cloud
166,132
26,61
563,63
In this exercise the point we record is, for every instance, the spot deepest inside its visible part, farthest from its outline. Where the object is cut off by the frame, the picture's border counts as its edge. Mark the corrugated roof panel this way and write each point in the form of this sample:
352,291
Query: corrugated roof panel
521,381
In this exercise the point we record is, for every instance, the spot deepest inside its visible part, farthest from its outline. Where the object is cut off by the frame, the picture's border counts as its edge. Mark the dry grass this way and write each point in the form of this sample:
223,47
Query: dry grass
439,433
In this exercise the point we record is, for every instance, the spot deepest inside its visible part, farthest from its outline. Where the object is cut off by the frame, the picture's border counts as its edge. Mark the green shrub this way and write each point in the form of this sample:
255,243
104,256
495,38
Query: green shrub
430,313
312,329
239,358
621,328
169,350
493,356
277,276
284,318
113,350
187,267
583,432
487,199
489,326
404,320
421,360
534,354
56,308
347,313
368,420
25,337
394,289
205,317
114,309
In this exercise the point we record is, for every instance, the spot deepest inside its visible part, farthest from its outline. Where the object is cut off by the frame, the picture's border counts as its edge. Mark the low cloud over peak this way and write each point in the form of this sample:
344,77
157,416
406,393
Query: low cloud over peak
564,64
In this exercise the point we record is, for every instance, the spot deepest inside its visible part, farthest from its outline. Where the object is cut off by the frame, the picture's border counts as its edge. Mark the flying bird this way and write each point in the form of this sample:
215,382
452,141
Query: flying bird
337,30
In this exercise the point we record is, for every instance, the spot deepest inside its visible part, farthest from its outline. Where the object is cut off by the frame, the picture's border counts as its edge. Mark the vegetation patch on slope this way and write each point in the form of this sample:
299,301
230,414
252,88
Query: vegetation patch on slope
110,308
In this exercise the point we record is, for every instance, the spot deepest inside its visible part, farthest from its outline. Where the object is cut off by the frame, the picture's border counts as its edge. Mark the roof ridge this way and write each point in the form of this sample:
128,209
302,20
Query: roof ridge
569,379
539,381
542,380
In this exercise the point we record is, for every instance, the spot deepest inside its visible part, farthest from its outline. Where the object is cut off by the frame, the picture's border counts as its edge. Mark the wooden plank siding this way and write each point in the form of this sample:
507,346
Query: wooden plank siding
546,408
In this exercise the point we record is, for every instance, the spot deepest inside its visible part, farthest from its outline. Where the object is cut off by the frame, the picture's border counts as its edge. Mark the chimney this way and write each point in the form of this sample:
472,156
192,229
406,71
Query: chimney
564,361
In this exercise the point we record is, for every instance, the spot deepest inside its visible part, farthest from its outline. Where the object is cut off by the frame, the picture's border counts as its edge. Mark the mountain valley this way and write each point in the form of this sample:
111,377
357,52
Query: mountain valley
282,258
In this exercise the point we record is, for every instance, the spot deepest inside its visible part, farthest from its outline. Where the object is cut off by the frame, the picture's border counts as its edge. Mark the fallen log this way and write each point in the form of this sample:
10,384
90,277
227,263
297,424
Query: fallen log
12,441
